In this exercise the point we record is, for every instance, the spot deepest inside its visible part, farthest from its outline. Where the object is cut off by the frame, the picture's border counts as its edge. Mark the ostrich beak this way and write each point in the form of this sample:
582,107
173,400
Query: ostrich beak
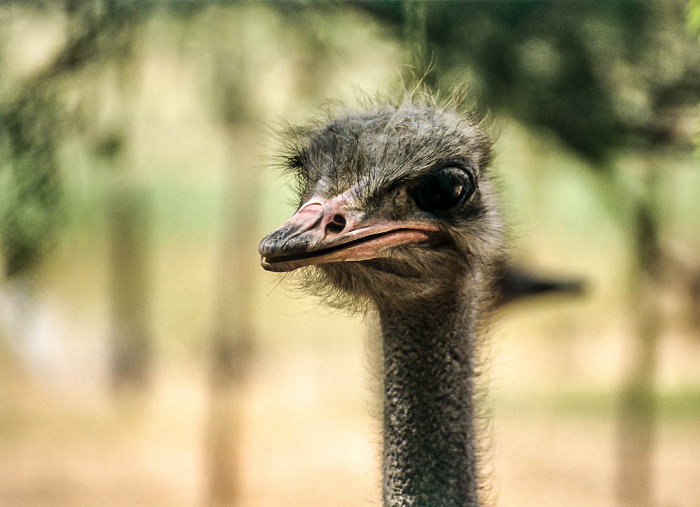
329,230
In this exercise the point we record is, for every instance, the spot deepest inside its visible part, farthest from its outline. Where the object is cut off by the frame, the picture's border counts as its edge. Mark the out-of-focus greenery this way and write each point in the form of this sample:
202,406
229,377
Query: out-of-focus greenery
29,181
142,99
40,110
694,23
602,75
694,16
79,90
169,97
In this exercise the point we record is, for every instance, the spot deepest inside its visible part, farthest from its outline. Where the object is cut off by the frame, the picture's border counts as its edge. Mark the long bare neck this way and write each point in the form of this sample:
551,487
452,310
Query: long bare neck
430,446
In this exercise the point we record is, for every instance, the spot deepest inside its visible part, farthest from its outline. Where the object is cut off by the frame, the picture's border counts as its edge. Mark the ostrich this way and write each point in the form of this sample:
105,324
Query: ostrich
397,215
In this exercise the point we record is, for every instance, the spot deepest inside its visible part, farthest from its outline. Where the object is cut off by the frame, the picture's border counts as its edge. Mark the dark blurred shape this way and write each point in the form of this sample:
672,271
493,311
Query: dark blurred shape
601,75
231,346
132,353
30,188
516,283
232,337
681,274
637,420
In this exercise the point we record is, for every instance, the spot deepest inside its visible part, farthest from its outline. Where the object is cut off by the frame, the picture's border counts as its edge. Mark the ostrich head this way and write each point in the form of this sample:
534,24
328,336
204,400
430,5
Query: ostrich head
395,204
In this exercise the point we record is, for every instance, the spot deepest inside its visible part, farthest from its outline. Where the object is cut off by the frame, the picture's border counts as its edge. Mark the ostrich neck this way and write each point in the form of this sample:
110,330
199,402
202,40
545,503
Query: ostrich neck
430,447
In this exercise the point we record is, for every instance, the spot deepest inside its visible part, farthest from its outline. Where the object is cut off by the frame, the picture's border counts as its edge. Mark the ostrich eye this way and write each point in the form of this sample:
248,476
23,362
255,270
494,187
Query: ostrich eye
444,190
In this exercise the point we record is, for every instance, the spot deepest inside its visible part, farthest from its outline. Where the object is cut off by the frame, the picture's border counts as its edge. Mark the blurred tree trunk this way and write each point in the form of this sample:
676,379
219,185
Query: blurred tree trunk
232,336
129,212
637,416
232,340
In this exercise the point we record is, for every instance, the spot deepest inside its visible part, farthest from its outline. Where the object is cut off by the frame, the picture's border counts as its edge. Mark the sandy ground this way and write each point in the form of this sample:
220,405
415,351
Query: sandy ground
308,439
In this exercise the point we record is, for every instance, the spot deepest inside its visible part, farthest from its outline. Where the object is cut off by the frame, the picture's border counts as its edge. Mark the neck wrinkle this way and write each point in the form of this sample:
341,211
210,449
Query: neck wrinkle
430,446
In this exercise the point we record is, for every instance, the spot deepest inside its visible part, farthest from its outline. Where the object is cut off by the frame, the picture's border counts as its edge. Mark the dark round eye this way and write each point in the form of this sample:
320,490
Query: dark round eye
444,190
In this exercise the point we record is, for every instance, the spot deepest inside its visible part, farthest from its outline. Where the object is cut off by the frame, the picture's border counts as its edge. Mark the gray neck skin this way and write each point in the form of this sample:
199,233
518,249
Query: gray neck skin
429,435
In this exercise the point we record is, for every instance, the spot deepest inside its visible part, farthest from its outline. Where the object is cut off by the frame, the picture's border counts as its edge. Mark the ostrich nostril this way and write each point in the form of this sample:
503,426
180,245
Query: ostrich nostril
336,225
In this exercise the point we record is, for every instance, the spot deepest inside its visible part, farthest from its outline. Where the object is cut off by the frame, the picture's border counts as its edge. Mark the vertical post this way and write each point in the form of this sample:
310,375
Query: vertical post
232,340
232,336
231,343
128,212
637,417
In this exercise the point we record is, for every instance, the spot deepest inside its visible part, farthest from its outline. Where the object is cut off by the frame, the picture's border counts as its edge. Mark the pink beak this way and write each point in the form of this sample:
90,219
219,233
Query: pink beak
327,230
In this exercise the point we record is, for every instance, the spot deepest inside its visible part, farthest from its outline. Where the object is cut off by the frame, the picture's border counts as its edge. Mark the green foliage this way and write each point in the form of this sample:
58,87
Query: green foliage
29,183
602,75
35,121
694,25
694,16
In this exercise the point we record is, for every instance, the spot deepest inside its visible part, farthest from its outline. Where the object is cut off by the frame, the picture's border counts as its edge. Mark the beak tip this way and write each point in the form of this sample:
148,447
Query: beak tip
269,244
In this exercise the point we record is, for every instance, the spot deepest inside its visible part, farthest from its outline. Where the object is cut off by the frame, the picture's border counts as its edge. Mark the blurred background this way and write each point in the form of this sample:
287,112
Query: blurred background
145,357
